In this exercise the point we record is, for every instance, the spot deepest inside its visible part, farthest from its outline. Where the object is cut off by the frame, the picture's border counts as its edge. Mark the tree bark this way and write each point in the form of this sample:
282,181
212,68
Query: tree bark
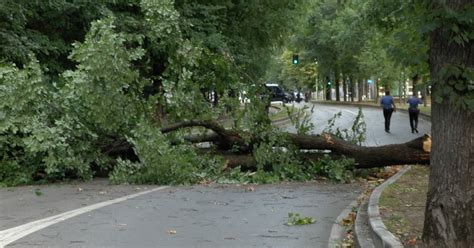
352,88
366,89
336,78
344,87
376,89
328,89
360,89
238,151
404,94
412,152
400,95
449,214
423,96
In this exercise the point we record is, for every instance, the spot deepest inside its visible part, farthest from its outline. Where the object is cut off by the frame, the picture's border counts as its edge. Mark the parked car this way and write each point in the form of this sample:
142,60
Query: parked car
277,93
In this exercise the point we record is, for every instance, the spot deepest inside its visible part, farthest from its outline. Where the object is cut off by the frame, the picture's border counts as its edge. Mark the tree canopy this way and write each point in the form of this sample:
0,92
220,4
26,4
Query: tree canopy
113,87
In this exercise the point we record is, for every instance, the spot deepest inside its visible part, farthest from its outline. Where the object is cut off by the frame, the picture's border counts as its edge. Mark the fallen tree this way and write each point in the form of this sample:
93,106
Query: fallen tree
312,147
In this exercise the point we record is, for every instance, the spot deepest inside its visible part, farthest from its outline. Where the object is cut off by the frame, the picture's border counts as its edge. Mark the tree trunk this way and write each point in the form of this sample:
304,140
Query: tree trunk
236,147
344,87
423,96
366,89
215,101
415,79
328,89
352,88
325,90
404,87
449,213
400,95
376,89
360,89
316,88
336,79
412,152
415,151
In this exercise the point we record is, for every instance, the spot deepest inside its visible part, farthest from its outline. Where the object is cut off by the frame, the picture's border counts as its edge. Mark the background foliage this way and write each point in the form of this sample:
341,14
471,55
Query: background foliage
80,79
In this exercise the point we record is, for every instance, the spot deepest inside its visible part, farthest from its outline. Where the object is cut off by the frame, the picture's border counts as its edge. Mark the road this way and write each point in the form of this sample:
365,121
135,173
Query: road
400,130
101,215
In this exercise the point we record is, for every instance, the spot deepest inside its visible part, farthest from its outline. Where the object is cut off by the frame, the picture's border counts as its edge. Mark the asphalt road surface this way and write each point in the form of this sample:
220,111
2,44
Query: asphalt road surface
400,130
95,214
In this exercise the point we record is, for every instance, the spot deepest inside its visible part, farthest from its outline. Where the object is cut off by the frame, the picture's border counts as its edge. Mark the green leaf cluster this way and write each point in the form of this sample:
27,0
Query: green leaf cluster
39,141
116,73
355,135
340,170
296,219
160,162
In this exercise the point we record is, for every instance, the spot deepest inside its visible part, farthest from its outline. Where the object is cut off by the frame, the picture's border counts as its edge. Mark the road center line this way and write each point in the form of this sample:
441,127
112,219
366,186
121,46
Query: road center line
12,234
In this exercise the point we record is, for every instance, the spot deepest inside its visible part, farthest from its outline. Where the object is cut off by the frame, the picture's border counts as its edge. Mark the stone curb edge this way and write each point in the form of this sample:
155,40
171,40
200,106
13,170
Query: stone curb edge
285,120
337,230
380,235
362,233
427,117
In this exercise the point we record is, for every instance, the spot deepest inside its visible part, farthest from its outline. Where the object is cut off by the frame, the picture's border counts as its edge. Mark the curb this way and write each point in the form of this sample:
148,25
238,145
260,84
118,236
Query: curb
380,235
285,120
422,115
362,231
338,230
282,121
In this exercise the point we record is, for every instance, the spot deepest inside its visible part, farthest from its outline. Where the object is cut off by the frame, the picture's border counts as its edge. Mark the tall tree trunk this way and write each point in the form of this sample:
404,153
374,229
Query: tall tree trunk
344,87
415,79
316,88
366,89
215,102
449,213
400,89
404,86
423,95
328,89
376,89
351,88
336,79
360,89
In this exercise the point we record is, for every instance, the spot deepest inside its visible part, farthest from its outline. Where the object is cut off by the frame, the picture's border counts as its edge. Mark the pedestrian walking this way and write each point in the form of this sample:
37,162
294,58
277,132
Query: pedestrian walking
413,111
389,107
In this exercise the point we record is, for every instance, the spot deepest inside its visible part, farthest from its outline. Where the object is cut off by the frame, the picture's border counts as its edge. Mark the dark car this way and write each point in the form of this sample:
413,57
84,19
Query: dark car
277,93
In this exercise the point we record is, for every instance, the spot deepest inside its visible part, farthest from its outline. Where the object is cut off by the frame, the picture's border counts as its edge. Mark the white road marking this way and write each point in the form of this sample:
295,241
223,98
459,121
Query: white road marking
12,234
352,112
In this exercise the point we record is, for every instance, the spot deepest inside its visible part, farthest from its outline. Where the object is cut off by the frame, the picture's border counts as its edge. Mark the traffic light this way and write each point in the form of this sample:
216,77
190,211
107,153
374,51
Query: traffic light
295,60
329,83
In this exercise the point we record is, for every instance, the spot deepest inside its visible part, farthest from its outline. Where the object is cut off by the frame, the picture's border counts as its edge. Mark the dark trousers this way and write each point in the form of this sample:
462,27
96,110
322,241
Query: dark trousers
387,114
413,118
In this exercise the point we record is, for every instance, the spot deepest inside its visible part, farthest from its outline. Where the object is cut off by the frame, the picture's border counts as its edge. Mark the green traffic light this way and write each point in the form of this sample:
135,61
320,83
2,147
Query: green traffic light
296,60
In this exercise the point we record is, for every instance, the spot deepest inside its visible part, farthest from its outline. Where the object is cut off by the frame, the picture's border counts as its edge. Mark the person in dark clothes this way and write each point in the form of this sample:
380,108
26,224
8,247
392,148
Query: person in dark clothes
413,111
389,107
